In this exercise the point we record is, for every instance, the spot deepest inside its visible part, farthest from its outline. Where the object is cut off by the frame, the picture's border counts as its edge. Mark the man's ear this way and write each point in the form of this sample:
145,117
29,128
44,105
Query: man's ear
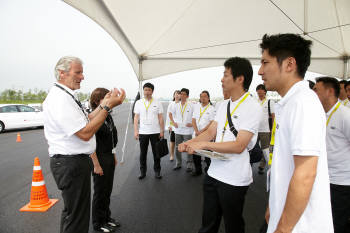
290,64
61,72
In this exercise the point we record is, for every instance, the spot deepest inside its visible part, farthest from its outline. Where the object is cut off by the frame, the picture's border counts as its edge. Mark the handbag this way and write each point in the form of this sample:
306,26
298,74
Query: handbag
162,148
256,153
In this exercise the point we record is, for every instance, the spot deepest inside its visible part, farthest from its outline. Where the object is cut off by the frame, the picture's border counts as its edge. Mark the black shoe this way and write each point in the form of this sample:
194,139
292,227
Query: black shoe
196,173
113,223
142,175
261,172
104,228
157,175
177,168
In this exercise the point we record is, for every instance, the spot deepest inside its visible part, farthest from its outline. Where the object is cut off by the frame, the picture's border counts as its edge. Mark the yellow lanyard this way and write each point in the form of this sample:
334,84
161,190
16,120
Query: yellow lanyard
262,103
183,110
330,116
149,104
272,142
346,102
201,113
223,132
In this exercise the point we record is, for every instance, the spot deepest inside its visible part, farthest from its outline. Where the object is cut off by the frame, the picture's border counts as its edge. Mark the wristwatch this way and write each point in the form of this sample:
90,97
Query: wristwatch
106,108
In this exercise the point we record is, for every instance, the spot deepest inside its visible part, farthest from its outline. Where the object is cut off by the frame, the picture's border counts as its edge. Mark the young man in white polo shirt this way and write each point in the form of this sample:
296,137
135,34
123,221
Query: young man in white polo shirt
264,135
150,113
299,184
227,182
343,97
203,115
338,150
180,116
347,90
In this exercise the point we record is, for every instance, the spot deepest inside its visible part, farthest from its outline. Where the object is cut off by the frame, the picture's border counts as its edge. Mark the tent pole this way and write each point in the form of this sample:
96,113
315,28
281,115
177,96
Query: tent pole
346,68
140,76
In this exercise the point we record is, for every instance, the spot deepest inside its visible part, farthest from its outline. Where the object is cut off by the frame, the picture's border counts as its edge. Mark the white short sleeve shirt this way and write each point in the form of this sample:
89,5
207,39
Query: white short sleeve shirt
168,122
345,102
338,145
182,115
203,115
148,112
300,130
264,124
62,119
236,171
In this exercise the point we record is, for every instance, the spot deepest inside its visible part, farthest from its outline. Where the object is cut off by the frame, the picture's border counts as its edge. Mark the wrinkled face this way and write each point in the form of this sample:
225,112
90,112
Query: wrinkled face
183,96
348,91
204,99
261,94
321,91
73,77
147,92
228,83
270,72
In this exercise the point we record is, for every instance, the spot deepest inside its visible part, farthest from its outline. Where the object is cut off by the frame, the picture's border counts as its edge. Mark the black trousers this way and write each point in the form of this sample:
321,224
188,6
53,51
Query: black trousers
197,160
73,178
340,199
103,186
144,141
225,200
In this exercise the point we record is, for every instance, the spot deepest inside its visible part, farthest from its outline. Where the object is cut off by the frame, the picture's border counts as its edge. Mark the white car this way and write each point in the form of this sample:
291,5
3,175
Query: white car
15,116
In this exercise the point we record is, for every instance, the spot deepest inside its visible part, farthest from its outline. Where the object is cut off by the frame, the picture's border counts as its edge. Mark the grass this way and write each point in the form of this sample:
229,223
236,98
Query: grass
20,102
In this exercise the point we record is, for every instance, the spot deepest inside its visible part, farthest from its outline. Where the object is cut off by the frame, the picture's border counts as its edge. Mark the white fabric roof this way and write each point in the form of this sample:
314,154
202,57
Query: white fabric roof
169,36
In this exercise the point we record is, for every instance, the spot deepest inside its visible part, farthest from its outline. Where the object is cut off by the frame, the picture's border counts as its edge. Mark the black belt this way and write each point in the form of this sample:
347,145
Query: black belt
71,156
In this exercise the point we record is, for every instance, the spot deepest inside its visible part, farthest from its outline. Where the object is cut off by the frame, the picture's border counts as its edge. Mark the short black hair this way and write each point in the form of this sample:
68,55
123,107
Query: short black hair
186,91
149,85
311,84
240,66
287,45
346,84
330,82
261,87
343,82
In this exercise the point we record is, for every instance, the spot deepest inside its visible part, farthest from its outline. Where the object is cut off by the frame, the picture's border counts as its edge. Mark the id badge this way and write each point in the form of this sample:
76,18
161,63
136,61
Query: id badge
147,121
268,175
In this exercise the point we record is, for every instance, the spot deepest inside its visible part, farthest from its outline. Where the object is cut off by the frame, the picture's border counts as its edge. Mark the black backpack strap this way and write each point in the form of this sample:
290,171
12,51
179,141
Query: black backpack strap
232,127
269,108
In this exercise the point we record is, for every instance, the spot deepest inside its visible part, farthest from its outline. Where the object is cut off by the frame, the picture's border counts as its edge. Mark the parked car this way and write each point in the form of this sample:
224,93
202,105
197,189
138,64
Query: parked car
16,116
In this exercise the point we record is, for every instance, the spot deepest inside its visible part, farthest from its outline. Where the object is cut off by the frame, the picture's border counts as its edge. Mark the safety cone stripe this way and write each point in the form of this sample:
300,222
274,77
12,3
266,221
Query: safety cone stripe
36,168
40,183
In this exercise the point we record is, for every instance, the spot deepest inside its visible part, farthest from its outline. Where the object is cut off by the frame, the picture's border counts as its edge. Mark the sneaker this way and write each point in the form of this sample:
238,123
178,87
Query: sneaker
189,167
104,228
113,223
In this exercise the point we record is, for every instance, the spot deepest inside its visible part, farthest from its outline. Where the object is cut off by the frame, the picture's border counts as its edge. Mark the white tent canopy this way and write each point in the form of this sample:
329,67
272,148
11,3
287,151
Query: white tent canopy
161,37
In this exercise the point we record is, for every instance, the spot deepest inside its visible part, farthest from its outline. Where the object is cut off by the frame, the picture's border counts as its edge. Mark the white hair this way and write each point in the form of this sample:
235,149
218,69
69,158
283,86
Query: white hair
64,64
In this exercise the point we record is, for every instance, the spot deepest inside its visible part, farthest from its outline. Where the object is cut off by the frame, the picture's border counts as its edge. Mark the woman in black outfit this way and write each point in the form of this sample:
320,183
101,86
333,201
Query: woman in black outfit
104,161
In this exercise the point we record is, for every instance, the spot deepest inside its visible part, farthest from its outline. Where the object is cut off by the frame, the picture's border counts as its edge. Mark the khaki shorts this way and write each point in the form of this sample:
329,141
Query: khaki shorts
264,138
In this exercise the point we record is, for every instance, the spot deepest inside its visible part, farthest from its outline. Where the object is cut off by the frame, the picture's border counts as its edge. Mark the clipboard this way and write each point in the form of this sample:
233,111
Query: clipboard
212,155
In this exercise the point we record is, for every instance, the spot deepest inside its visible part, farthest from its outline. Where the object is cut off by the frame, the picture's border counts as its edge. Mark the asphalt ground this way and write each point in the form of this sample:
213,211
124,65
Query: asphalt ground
172,204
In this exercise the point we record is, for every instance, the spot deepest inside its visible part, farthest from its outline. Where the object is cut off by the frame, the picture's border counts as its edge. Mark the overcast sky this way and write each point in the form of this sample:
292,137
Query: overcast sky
36,33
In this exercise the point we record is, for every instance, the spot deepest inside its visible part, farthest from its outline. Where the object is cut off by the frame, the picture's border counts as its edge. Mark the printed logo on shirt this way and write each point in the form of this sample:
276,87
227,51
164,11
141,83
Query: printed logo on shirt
235,116
277,126
332,127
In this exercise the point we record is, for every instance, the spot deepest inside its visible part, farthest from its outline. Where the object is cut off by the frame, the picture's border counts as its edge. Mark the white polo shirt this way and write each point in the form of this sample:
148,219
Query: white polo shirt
62,119
236,171
264,123
300,130
148,112
167,122
338,145
182,115
203,115
345,102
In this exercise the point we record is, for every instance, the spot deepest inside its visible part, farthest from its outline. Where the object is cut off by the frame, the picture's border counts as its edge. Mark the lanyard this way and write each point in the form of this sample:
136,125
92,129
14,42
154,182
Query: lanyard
183,110
262,103
330,116
239,103
272,142
149,104
201,113
346,102
76,101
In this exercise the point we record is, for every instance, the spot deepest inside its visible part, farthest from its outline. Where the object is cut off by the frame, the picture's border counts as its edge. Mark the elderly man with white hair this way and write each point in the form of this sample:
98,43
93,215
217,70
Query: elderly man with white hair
70,131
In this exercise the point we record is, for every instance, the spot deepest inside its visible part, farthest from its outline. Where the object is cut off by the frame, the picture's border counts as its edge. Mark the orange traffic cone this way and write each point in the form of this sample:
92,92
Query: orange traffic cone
19,139
39,200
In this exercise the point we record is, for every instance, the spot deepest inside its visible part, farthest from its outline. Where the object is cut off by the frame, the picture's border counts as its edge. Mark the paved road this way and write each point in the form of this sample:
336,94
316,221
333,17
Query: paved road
170,205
